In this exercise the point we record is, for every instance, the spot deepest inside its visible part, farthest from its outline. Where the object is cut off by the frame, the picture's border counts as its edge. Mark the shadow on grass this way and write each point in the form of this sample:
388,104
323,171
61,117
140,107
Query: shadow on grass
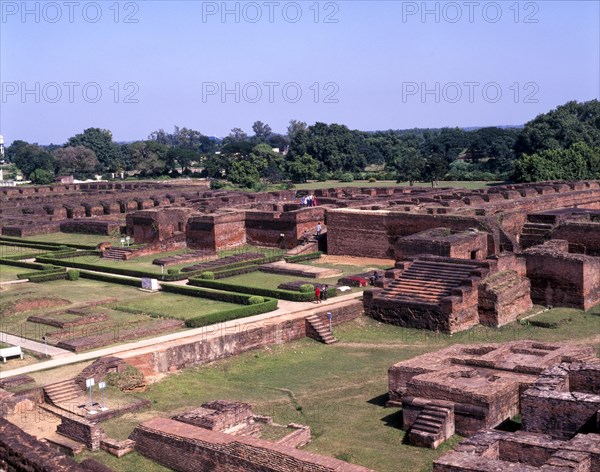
379,400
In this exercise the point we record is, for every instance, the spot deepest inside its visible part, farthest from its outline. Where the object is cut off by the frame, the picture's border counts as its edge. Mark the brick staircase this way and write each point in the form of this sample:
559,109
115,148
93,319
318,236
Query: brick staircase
432,427
534,234
319,331
116,254
64,391
427,281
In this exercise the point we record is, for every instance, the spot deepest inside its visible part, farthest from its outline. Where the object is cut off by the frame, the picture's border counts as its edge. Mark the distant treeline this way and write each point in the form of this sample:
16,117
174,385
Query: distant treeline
561,144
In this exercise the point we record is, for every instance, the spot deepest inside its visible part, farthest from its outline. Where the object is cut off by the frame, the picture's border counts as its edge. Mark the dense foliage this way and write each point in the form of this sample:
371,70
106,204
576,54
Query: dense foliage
561,144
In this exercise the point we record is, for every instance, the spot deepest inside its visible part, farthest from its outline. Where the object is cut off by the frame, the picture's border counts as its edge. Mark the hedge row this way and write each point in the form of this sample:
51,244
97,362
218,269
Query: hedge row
141,273
229,297
19,257
47,276
27,275
22,243
86,266
223,274
304,257
233,314
110,278
265,292
27,265
48,244
71,253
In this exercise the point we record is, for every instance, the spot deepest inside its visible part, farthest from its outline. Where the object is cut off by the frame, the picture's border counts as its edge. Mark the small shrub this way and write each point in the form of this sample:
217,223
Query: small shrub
47,267
255,300
307,288
73,275
173,271
207,275
347,177
216,184
372,179
131,378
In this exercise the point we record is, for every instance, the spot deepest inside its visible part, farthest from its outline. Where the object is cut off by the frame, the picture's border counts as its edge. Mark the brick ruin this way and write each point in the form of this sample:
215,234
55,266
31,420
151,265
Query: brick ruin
463,389
225,436
492,451
464,257
560,428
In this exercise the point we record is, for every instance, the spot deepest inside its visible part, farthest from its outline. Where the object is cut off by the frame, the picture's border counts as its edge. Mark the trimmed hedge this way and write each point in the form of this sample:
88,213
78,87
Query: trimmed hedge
39,244
265,292
141,273
73,275
229,297
26,265
27,275
237,271
110,278
48,276
233,314
303,257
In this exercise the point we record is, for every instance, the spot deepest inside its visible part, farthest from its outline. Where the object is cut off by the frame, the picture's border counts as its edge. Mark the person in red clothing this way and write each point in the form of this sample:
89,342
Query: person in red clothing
318,294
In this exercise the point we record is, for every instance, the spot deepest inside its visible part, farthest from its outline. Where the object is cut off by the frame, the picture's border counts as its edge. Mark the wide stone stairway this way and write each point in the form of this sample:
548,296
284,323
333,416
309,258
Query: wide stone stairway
427,281
116,254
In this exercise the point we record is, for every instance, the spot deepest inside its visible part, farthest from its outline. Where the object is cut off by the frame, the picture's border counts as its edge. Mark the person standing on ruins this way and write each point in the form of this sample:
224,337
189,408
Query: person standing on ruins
319,228
324,292
318,294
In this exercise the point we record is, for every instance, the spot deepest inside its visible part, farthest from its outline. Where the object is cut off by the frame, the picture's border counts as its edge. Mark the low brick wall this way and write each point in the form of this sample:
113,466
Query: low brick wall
184,447
81,430
20,451
233,340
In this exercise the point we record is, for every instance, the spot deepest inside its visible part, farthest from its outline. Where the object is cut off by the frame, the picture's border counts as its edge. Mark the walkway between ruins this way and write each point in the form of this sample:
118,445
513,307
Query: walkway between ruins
285,310
34,346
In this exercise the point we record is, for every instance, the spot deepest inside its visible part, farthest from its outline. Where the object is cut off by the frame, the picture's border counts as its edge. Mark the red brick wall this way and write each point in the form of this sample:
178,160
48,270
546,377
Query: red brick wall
184,447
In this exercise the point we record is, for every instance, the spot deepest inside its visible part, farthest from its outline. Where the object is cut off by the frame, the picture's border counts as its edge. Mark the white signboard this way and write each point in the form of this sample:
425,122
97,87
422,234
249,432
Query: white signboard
89,383
149,284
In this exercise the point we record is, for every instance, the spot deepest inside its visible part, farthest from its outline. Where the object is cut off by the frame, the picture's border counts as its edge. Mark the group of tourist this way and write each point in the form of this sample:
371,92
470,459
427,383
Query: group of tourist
309,201
321,293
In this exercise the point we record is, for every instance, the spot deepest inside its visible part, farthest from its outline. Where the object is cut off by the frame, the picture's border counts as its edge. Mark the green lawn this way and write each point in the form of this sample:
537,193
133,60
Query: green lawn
339,390
176,306
73,238
8,273
144,263
76,294
23,252
312,185
266,280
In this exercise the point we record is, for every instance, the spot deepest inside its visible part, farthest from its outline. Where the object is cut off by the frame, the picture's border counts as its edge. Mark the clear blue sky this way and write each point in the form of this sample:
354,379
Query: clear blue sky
372,64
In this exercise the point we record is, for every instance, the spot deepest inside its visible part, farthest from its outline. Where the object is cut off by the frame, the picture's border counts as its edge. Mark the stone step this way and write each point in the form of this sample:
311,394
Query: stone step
443,265
424,428
441,273
419,280
63,391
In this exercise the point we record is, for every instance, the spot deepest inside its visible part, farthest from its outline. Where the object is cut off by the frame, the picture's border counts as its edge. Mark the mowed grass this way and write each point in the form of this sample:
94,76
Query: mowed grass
312,185
338,390
144,263
266,280
75,294
6,250
176,306
8,273
73,238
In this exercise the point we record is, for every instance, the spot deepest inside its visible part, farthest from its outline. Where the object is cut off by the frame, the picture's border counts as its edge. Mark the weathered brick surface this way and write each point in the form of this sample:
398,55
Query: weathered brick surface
184,447
20,451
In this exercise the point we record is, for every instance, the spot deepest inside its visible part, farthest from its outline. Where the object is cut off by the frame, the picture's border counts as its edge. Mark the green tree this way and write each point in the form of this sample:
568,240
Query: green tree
409,166
108,153
30,157
561,128
302,168
262,131
77,160
148,157
41,176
